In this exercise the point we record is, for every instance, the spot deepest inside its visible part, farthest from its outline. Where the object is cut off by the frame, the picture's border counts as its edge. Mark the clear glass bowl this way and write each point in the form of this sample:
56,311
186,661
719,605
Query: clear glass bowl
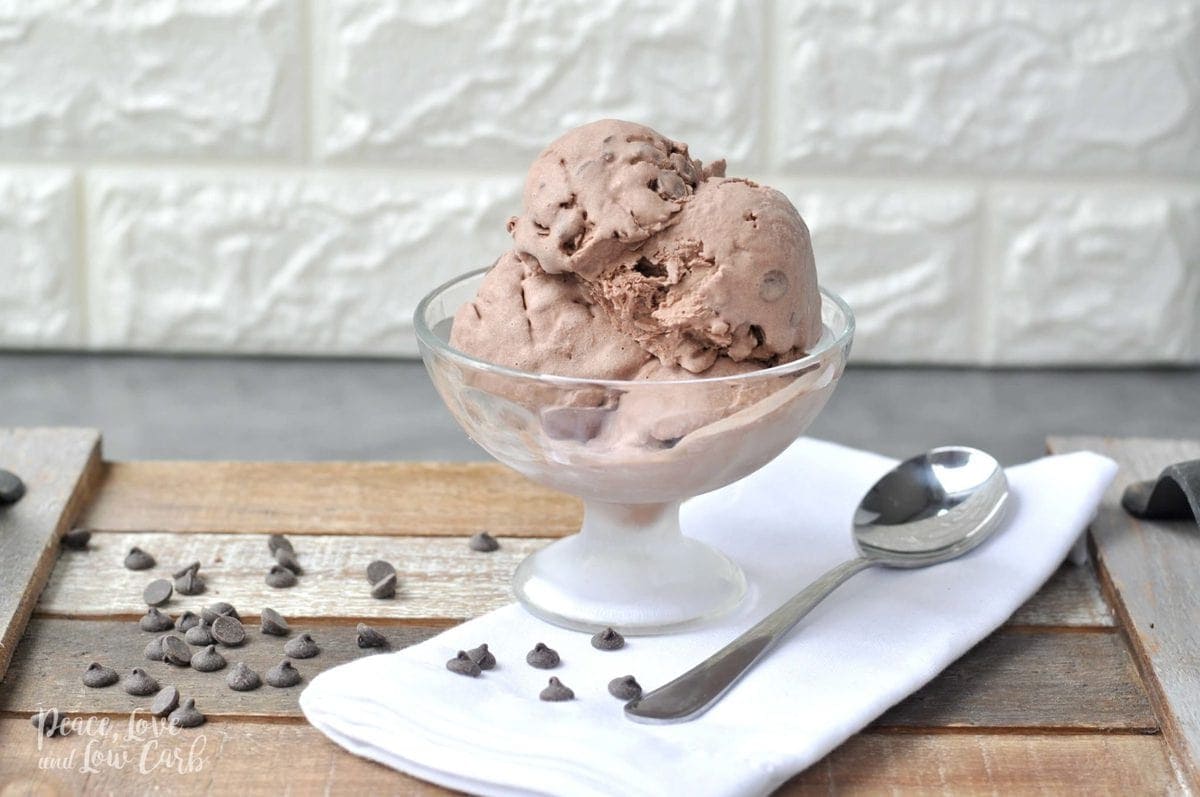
632,450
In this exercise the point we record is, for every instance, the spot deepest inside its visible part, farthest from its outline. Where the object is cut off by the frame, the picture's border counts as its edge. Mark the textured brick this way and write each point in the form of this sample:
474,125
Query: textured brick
1096,276
483,82
40,296
281,263
905,261
151,79
1107,85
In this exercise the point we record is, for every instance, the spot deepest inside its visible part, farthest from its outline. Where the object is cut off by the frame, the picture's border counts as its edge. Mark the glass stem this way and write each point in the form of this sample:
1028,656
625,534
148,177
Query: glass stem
605,522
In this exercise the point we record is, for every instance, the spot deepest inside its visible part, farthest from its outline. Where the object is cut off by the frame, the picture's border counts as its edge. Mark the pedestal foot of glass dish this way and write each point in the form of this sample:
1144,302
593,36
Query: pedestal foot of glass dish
631,568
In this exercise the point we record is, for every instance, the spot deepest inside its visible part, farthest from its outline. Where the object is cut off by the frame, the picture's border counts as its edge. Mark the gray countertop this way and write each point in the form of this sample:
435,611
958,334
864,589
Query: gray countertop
152,407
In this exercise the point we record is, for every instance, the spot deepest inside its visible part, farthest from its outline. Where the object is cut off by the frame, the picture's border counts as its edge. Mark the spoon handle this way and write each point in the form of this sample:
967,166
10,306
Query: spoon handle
698,689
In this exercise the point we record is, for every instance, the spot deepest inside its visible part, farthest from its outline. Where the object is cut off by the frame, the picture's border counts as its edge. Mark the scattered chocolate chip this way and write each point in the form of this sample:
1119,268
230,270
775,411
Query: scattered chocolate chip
385,587
285,558
608,639
302,647
215,610
137,559
368,637
165,701
154,651
190,583
625,688
176,651
228,631
463,665
277,542
187,715
283,675
97,675
207,659
156,621
483,542
188,619
243,679
273,623
280,577
77,539
157,592
139,683
50,722
556,692
542,657
379,570
194,567
199,634
11,487
483,657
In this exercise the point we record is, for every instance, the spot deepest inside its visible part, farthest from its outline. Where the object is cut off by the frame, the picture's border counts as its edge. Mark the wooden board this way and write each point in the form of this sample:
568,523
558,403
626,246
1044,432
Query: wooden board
424,498
59,468
1151,571
440,578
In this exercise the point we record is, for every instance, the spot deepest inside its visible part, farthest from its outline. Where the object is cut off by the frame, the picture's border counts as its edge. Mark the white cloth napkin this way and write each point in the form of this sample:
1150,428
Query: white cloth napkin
876,639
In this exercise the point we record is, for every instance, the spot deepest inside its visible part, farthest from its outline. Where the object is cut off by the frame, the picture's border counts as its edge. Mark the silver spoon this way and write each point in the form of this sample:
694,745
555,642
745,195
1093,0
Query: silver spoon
927,510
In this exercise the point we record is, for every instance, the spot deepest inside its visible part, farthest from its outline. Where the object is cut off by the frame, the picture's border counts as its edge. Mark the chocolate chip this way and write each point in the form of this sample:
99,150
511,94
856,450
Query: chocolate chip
214,610
139,683
542,657
190,583
50,722
283,675
11,487
277,542
625,688
154,650
187,715
368,637
385,587
165,701
199,634
188,619
228,631
483,542
286,558
773,286
243,679
608,639
77,539
273,623
137,559
378,570
194,567
463,665
176,651
97,676
280,577
156,621
157,592
556,692
302,647
207,659
483,657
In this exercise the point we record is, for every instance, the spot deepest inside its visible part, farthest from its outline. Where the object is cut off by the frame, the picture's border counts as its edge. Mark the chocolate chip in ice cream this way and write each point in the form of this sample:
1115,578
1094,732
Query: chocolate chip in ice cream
542,657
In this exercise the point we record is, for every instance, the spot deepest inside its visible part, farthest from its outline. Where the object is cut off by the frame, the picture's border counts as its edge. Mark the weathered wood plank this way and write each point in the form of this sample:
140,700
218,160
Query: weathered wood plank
50,661
1046,678
440,577
1152,569
59,468
329,498
913,763
1070,598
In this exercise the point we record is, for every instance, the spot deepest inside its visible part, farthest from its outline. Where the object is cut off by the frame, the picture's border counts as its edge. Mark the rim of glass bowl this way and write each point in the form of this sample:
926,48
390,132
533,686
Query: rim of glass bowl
431,339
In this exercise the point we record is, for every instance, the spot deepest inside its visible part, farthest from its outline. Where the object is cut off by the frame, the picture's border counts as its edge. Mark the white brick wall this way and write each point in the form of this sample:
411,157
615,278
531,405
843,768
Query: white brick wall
986,182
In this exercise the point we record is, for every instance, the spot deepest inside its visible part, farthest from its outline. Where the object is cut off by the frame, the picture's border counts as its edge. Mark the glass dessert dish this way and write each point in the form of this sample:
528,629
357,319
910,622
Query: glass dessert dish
633,451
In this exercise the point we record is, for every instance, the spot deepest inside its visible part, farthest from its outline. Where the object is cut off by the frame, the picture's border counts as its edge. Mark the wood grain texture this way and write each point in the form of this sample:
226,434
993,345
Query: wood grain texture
440,577
59,468
50,661
1044,678
1070,598
422,498
1151,569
